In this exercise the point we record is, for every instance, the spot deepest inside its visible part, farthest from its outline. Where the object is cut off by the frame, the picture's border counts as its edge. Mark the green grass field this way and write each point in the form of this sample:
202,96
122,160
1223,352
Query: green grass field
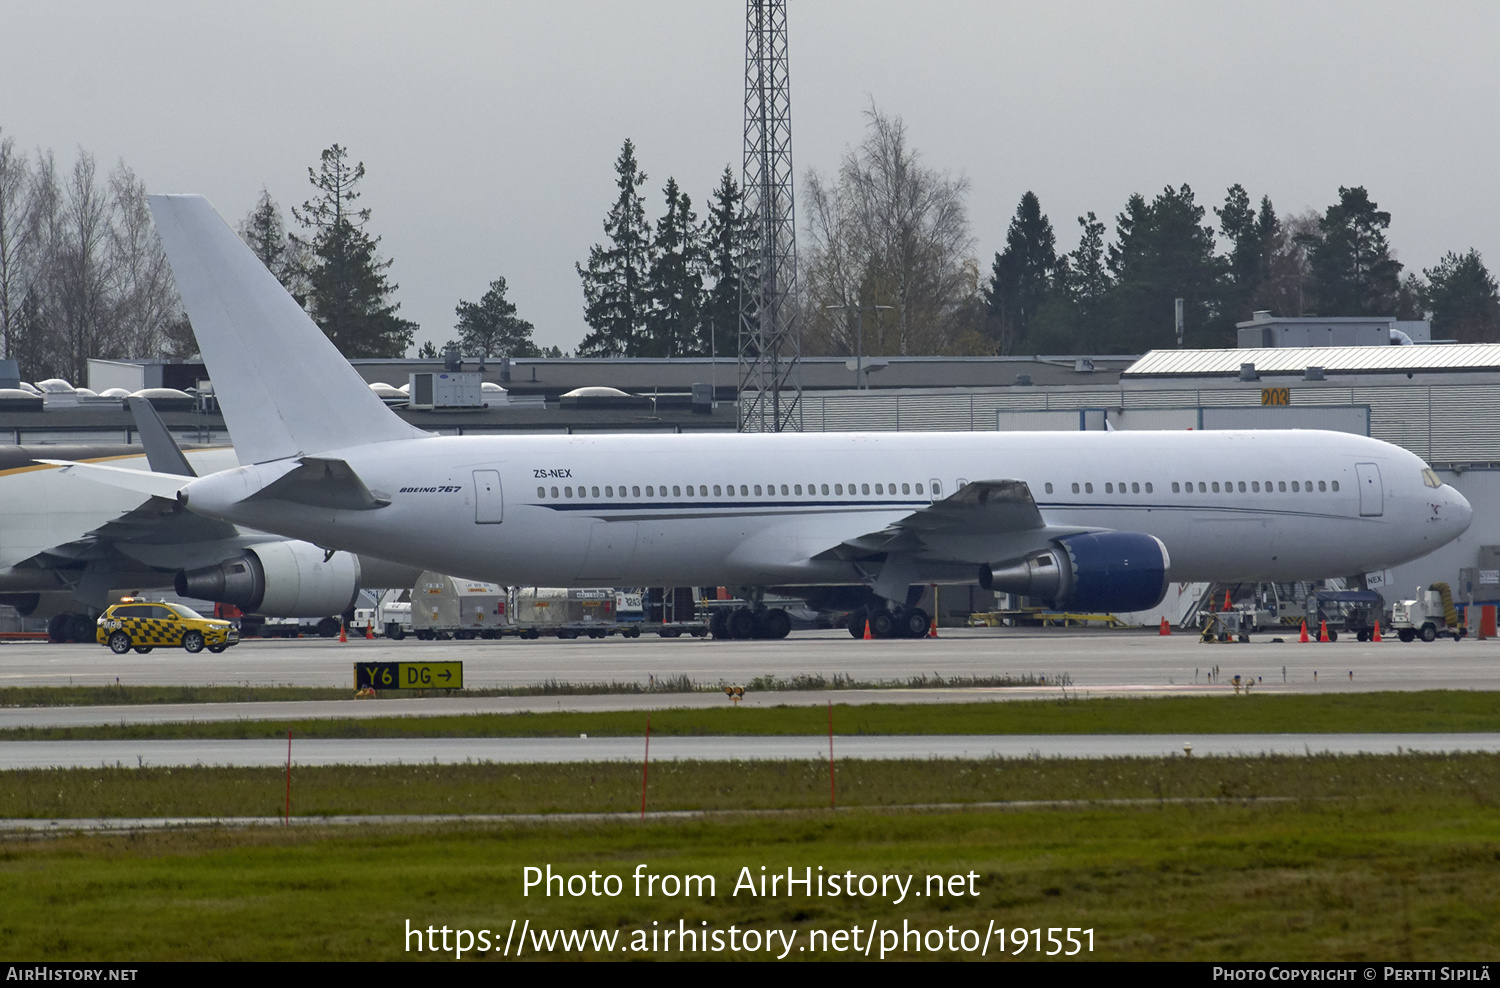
1439,711
1216,859
1374,879
761,785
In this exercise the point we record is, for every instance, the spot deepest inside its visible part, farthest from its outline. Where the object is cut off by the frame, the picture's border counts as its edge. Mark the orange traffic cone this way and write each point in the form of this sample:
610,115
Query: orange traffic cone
1322,631
1226,600
1376,636
370,631
1166,629
867,629
343,633
932,631
1303,637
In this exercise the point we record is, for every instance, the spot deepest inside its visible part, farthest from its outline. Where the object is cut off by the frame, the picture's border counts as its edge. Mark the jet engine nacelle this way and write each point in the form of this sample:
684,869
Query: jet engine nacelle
278,579
1096,571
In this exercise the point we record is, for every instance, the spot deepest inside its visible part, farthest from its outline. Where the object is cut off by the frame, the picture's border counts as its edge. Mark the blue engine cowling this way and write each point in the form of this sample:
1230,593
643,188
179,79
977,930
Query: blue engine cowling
1095,571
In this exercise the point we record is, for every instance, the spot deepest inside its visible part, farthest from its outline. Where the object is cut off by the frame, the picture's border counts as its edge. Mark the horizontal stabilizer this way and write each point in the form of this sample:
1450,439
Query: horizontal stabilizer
322,483
155,484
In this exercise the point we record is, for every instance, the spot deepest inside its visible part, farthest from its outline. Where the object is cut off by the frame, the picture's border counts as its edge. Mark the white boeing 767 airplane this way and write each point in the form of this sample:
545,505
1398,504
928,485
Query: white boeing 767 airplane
1090,520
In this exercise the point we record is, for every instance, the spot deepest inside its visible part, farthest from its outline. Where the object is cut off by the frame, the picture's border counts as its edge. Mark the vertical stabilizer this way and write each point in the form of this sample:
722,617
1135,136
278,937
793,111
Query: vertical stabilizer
284,388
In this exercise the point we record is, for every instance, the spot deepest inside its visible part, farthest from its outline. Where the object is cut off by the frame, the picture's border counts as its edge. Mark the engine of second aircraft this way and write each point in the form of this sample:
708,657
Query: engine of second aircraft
278,579
1095,571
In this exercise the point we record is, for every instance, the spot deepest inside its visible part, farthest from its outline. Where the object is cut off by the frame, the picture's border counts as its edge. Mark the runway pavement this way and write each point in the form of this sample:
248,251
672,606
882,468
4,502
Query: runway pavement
1087,659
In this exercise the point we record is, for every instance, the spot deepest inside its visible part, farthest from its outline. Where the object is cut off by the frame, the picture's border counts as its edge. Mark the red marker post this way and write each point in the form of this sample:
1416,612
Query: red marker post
286,821
645,766
831,791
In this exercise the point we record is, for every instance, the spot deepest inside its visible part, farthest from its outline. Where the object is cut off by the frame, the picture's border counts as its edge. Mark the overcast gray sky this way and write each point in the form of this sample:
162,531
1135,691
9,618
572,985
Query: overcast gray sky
489,130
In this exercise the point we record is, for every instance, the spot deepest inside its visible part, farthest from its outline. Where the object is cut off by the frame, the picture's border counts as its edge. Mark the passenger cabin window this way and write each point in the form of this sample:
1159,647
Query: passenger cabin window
1075,487
937,488
864,488
1135,488
1109,488
1335,486
1175,488
1148,487
541,492
1088,488
1049,488
1294,487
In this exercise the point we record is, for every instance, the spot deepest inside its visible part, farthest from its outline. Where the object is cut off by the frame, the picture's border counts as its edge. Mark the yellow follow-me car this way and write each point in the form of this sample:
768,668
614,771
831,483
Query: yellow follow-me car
143,625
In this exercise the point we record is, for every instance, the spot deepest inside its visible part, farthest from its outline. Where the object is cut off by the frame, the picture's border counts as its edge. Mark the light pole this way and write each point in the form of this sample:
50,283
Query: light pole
859,337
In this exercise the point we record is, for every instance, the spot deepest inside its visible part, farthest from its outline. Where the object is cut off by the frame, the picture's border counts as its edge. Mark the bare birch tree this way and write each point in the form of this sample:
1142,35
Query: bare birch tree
892,232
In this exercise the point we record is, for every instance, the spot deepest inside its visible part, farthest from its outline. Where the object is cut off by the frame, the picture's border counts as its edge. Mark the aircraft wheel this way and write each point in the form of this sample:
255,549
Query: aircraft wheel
328,627
143,649
1361,636
1333,635
192,642
857,624
741,623
1429,633
775,623
718,623
883,624
914,623
1406,634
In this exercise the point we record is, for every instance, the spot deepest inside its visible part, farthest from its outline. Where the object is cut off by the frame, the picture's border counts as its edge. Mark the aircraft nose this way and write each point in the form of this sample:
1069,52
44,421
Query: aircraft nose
1459,512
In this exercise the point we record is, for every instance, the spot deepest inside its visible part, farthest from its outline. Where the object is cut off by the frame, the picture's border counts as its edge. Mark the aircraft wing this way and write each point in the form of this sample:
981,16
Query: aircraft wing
981,508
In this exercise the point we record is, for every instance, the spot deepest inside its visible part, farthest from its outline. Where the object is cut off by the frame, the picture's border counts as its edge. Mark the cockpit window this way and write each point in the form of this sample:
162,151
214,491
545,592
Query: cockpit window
1430,478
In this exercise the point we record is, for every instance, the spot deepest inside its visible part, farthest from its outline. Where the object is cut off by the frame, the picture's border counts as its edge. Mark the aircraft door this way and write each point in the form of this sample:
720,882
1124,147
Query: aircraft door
1371,493
489,501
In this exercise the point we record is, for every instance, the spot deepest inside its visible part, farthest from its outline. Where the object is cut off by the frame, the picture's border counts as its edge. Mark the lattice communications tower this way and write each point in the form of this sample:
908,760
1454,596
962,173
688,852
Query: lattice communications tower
770,390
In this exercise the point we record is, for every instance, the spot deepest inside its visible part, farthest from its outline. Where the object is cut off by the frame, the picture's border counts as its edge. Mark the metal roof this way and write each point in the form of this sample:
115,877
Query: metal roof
1333,360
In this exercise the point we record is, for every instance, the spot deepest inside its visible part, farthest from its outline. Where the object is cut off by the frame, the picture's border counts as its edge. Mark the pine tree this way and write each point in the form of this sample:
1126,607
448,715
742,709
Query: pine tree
348,293
1074,316
1163,252
725,243
1020,276
1252,236
675,281
1352,268
264,231
617,302
491,326
1464,299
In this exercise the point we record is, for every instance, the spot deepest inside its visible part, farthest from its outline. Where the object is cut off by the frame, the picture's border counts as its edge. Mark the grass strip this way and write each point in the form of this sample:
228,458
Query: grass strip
490,788
122,695
1434,711
1381,879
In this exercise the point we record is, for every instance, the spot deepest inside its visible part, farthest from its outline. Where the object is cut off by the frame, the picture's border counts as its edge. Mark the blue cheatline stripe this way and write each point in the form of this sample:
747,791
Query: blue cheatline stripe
720,505
678,506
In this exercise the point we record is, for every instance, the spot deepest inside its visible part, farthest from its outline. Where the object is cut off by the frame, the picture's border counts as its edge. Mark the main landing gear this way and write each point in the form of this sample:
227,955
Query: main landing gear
903,622
745,622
